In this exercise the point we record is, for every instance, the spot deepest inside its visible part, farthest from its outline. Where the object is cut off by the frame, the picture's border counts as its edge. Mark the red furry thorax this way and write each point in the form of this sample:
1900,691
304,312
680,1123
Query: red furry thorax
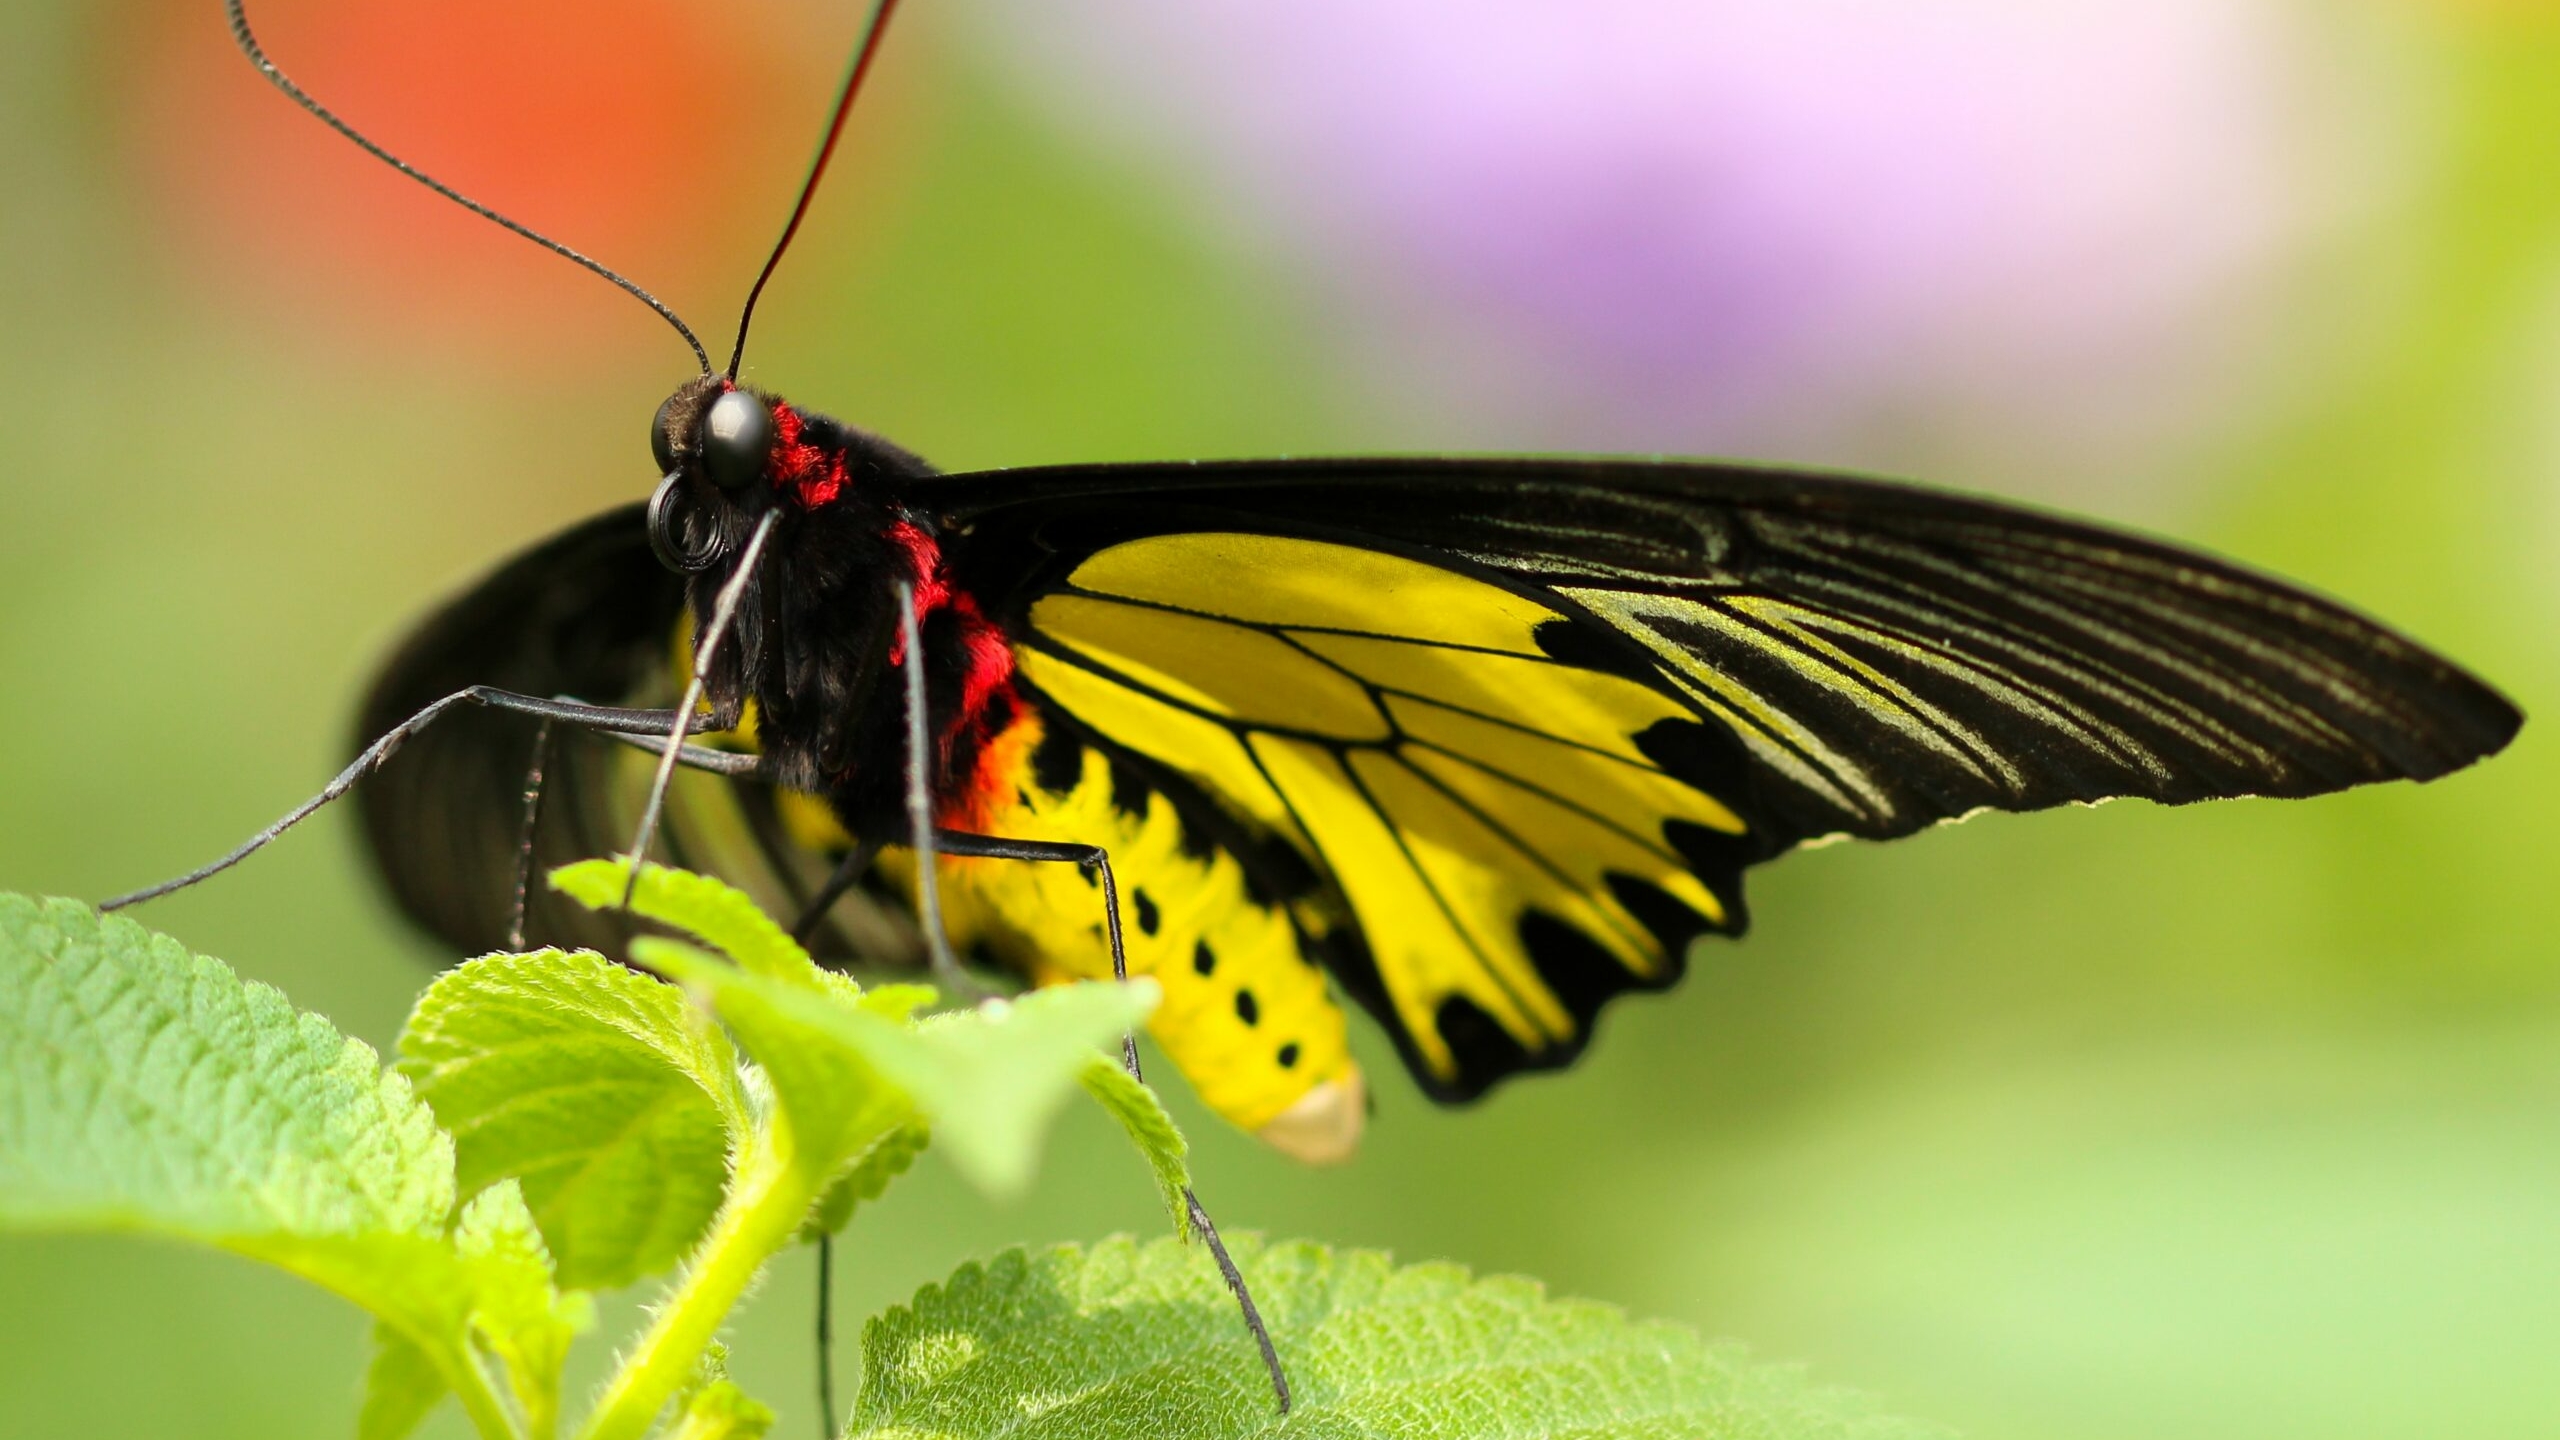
814,474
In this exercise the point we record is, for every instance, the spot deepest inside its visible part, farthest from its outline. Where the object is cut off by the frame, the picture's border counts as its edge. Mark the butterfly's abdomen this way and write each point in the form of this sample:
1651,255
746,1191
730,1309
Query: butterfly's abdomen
1246,1015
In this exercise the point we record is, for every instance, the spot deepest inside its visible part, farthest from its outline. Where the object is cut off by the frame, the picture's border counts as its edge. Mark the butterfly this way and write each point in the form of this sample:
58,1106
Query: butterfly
1479,743
1474,744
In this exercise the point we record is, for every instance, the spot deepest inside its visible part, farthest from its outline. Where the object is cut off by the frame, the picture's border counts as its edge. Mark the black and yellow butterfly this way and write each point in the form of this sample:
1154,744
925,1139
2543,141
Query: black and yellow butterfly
1484,741
1481,742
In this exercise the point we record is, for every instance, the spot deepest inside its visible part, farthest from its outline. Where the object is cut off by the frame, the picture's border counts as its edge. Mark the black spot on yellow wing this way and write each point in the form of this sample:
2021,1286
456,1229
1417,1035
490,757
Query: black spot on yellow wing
1520,829
1562,639
1216,923
1057,764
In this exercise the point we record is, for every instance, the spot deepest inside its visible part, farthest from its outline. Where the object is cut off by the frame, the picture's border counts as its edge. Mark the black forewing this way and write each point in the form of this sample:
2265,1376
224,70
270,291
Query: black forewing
1890,656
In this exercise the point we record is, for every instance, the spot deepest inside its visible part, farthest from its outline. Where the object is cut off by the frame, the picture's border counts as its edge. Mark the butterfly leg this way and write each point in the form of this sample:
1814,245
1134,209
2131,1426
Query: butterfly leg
826,1334
1098,860
606,718
524,842
696,757
1089,857
948,977
849,871
723,611
738,764
855,864
718,762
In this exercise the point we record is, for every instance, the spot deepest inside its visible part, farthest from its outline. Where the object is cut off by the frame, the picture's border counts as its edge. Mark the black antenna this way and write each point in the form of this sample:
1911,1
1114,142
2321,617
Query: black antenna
248,44
879,26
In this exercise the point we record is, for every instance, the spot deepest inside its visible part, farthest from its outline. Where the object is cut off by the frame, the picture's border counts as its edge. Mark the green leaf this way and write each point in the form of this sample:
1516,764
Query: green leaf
992,1078
709,1369
521,1317
1150,1129
153,1091
988,1079
897,1002
896,1151
400,1387
1126,1339
722,1411
869,1179
603,1092
833,1105
719,915
829,1093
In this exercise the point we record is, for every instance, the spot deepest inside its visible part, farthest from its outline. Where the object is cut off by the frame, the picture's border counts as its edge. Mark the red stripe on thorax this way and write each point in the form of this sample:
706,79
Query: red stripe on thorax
988,705
925,572
817,473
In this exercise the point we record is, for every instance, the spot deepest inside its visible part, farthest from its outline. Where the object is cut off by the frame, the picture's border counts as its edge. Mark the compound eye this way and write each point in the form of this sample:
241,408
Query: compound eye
660,447
737,437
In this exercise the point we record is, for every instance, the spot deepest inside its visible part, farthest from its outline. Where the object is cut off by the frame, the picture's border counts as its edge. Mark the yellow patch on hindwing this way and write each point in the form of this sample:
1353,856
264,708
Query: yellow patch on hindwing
1246,1016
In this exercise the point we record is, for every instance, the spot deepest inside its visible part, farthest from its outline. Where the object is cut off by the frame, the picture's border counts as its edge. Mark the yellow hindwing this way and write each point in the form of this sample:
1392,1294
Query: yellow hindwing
1246,1016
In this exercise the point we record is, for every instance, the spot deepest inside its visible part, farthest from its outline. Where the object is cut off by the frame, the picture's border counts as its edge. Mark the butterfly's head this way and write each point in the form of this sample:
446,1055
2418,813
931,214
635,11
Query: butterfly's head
730,454
713,442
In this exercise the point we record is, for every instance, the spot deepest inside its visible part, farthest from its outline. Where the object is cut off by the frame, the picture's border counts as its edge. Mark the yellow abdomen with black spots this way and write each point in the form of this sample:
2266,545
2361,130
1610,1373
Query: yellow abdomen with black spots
1247,1015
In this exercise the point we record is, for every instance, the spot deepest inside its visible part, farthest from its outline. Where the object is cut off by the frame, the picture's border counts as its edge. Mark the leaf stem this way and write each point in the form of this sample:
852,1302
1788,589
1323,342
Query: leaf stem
471,1385
763,1214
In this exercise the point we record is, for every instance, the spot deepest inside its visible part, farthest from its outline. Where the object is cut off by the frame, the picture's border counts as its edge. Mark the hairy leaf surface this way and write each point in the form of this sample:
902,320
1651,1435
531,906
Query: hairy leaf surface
1127,1339
602,1091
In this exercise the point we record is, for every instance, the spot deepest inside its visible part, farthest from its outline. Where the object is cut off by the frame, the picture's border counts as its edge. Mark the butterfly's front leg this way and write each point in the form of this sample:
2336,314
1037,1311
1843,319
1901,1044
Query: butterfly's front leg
608,719
848,872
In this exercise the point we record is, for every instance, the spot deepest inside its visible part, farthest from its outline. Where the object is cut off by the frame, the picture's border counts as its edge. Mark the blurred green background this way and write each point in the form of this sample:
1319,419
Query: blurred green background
2235,1121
